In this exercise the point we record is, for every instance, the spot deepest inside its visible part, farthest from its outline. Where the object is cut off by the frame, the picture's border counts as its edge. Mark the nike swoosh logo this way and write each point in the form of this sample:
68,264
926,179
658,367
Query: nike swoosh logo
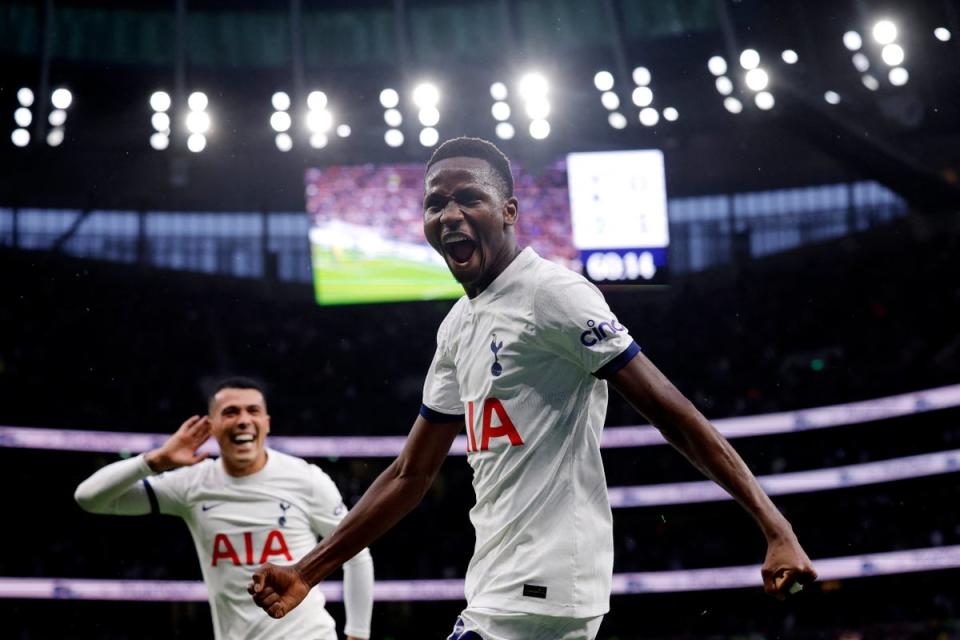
207,507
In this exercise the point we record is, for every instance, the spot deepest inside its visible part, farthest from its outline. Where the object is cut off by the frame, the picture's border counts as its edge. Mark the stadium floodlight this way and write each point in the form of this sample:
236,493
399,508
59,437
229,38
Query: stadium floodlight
764,100
940,33
429,117
898,76
861,62
671,114
319,120
539,129
538,108
603,81
198,122
280,100
724,85
389,98
893,55
642,96
425,95
160,121
533,85
500,111
429,136
649,117
789,56
617,120
832,97
505,130
393,137
160,101
57,117
757,79
642,77
197,142
852,40
344,130
610,100
20,137
280,121
732,105
23,117
870,82
749,59
316,100
25,96
498,91
61,98
884,32
197,101
284,142
159,141
319,140
393,118
717,65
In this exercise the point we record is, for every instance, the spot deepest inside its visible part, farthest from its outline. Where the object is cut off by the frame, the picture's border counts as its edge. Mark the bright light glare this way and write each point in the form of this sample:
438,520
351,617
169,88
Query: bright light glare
538,108
505,131
610,100
603,81
280,101
160,101
319,121
764,100
893,55
23,117
197,142
649,117
55,137
940,33
532,86
316,100
159,141
160,121
61,98
393,137
429,137
426,95
724,85
344,131
280,121
884,32
500,110
757,79
20,137
671,114
539,129
498,91
870,82
284,142
717,65
898,76
57,117
749,59
389,98
617,120
198,102
319,140
198,122
429,117
732,105
790,56
852,40
642,77
25,95
392,117
861,62
642,96
832,97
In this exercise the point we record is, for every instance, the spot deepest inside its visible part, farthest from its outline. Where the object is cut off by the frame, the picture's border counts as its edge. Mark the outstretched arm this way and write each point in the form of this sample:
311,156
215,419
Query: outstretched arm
684,427
392,495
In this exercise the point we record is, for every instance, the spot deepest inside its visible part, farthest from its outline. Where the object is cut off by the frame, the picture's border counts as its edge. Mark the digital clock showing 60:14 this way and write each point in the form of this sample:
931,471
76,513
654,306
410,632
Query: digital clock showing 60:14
625,265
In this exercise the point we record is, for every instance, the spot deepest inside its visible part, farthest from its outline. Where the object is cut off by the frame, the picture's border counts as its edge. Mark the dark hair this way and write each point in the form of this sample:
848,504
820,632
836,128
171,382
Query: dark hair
235,382
477,148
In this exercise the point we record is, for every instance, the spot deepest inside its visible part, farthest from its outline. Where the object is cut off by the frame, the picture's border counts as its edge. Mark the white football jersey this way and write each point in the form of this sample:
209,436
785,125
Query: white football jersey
238,523
523,362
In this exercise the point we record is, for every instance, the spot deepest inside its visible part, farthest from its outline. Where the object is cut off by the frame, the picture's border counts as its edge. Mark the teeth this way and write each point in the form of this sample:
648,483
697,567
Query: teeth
455,237
243,439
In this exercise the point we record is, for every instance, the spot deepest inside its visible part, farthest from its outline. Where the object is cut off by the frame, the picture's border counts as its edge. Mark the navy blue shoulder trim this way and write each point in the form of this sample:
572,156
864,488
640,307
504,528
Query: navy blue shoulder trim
618,363
152,497
436,416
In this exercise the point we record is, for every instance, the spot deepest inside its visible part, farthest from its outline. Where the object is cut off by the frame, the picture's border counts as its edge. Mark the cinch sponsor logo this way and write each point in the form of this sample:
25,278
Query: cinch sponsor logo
600,332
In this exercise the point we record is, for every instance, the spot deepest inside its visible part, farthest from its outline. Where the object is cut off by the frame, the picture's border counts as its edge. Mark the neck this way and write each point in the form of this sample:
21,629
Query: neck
239,470
500,264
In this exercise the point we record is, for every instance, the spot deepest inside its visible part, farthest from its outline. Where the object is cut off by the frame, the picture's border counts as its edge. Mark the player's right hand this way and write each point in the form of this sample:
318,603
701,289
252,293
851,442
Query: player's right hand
180,449
277,590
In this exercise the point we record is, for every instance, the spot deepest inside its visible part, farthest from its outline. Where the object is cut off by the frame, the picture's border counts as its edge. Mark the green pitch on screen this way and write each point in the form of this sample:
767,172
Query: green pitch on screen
351,278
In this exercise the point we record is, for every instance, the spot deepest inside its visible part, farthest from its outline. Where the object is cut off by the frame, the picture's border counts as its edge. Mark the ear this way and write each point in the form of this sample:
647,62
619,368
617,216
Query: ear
268,424
511,208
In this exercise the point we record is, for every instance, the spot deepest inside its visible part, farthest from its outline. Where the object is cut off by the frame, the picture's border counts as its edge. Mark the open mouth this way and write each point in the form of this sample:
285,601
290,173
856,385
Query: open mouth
459,247
242,438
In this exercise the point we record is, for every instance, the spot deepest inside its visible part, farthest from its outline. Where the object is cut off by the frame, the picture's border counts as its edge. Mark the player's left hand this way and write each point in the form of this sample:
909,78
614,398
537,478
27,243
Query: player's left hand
277,590
785,566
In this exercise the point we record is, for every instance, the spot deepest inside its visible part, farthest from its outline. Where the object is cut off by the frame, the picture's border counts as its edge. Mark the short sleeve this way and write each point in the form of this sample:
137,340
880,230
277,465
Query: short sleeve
441,390
327,508
168,491
574,320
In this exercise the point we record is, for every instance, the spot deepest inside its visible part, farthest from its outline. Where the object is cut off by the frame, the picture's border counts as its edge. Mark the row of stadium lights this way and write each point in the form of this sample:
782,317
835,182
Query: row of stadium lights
641,96
60,101
884,34
756,79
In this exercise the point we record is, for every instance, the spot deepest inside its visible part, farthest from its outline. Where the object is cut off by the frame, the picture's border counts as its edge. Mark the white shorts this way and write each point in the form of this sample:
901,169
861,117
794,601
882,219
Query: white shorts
491,624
